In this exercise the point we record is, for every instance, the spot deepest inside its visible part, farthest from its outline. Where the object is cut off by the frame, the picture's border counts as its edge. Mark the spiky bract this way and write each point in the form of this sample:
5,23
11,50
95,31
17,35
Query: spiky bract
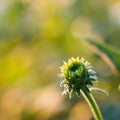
77,74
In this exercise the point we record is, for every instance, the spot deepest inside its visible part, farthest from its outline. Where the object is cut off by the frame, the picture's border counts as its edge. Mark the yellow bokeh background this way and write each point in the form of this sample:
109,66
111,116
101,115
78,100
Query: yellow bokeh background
36,36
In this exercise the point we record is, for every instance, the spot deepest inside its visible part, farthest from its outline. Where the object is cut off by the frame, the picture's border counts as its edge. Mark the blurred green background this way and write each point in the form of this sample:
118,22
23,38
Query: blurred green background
36,36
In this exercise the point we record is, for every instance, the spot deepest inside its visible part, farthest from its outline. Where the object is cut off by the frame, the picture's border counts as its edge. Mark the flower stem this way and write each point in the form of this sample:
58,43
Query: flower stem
93,105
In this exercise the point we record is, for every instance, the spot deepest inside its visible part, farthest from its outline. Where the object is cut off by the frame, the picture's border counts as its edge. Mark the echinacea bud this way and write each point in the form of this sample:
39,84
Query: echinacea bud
77,74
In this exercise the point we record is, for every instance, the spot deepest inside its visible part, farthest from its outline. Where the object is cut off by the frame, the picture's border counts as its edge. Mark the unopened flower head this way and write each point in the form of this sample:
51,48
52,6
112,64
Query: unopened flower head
76,74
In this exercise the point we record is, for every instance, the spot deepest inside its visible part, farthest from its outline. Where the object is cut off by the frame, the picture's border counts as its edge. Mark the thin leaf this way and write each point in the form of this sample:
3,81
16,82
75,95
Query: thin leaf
99,90
112,53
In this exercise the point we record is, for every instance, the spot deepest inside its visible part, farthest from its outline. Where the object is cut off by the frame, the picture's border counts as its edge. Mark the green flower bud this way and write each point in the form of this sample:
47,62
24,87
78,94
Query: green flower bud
77,74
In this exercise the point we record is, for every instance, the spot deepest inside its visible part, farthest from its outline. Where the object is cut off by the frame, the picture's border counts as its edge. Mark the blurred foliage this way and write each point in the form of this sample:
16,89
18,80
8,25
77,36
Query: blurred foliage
111,53
36,36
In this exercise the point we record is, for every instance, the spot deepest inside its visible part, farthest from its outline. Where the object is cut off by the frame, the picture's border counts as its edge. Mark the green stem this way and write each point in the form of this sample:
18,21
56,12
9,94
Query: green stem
93,105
